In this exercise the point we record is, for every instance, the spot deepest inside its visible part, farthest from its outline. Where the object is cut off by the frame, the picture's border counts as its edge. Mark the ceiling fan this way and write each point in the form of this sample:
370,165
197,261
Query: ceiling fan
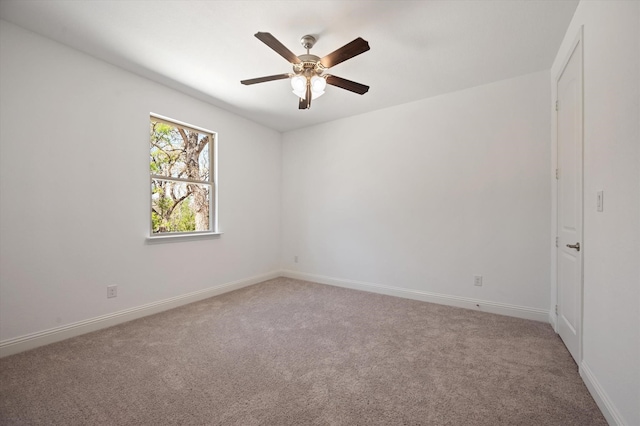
308,79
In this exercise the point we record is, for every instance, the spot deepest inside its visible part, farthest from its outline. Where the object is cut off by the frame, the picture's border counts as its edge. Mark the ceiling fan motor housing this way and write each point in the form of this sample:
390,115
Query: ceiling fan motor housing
309,66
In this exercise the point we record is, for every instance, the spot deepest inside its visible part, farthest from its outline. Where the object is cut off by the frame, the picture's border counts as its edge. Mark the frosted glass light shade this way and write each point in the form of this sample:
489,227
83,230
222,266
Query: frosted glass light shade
298,83
299,86
318,84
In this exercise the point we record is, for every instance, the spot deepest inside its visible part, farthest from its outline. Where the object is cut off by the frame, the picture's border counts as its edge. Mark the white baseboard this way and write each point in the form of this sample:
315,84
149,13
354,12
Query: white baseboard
34,340
611,414
442,299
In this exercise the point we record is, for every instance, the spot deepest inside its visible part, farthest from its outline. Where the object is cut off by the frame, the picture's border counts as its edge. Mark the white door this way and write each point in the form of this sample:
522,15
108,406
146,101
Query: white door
569,119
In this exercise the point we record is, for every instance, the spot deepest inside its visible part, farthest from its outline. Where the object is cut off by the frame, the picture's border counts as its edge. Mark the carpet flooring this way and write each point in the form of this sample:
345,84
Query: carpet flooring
290,352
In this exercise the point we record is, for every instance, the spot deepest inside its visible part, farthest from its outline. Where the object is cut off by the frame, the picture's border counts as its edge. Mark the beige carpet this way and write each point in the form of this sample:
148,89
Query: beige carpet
289,352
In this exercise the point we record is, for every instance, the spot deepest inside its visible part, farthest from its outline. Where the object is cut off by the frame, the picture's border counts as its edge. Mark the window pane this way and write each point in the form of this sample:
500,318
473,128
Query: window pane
179,206
203,163
178,152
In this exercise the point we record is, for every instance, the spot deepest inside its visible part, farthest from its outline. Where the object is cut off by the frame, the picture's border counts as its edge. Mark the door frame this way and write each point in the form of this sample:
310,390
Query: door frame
578,43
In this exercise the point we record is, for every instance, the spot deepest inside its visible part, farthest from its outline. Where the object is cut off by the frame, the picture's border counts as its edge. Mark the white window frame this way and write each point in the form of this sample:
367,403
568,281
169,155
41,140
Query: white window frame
212,183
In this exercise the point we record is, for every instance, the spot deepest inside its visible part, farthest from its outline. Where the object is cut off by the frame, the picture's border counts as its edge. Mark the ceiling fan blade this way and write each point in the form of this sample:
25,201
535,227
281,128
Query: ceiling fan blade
349,85
347,51
267,78
278,47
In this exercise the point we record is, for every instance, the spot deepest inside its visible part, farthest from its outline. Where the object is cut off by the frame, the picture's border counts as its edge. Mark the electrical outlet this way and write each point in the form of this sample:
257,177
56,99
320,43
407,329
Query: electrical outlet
477,280
112,291
295,259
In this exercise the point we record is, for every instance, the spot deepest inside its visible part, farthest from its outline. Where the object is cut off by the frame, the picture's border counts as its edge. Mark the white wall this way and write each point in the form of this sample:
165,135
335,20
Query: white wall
418,197
611,318
425,195
74,190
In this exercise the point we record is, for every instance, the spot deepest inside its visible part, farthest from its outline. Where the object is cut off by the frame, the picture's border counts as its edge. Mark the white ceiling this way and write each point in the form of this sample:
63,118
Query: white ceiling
419,49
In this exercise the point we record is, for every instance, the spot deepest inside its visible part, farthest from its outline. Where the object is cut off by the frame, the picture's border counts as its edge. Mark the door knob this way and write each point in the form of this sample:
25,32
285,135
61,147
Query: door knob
574,246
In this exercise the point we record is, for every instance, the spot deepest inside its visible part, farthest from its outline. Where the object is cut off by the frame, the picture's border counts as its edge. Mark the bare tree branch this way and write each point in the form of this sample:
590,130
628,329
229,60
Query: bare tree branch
202,144
185,138
176,202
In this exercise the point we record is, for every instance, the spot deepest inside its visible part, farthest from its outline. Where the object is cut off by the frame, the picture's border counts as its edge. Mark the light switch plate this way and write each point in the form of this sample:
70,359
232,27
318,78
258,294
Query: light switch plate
600,202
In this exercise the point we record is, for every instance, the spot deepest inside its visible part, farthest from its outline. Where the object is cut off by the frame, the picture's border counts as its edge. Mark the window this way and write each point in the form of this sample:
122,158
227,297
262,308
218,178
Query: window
183,187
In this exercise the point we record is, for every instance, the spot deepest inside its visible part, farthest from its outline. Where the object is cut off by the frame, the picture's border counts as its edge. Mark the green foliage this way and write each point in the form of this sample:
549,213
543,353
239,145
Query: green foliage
187,218
171,213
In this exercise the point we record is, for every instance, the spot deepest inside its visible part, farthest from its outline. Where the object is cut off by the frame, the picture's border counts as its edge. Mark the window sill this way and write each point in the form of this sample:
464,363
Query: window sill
160,239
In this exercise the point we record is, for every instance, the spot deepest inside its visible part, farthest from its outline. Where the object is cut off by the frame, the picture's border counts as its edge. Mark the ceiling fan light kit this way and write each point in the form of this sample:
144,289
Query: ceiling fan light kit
299,85
308,80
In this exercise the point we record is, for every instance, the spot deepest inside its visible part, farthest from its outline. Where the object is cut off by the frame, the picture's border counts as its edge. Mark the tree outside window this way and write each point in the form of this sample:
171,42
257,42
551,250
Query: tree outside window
182,185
